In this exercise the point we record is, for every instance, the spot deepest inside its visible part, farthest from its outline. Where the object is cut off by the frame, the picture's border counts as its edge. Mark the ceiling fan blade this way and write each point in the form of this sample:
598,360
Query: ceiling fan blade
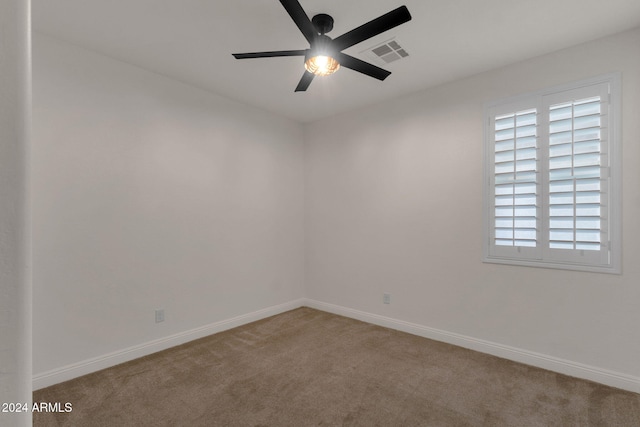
373,28
362,67
305,81
270,54
301,19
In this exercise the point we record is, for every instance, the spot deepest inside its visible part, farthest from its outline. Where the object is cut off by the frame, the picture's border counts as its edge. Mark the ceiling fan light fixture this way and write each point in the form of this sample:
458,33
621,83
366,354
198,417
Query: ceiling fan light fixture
321,59
321,65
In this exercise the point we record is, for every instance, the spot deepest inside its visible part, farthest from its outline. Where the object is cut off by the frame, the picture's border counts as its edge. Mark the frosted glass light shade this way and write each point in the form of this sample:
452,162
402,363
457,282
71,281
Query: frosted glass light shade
321,65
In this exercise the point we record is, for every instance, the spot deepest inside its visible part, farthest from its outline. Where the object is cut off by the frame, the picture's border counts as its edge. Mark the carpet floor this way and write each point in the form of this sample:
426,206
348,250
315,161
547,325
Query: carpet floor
311,368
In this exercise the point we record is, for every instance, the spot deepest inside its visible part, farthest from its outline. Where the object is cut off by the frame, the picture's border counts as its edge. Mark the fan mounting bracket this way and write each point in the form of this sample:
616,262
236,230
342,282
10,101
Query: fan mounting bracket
322,22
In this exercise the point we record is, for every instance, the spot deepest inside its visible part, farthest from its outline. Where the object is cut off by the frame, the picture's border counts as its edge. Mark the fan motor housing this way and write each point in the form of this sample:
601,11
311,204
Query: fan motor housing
322,22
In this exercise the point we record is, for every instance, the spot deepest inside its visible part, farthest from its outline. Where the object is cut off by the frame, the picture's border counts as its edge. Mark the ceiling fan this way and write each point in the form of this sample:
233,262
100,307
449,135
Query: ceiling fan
325,55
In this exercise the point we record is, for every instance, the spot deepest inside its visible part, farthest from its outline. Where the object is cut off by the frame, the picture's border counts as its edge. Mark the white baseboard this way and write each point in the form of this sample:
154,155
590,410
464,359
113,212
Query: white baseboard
551,363
88,366
567,367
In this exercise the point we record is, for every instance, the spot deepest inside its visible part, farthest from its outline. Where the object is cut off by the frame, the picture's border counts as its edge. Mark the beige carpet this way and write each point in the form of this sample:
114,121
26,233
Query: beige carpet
311,368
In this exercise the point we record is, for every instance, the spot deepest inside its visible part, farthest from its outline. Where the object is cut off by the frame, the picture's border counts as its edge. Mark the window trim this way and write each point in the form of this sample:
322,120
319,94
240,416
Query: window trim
534,99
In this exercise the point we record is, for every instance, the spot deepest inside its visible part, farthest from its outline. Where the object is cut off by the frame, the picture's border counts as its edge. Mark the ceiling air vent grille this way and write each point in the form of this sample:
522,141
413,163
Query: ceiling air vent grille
389,51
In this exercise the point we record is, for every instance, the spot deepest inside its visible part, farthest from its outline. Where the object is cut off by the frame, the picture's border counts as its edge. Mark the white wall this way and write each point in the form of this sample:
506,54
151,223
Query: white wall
148,194
15,281
153,194
394,204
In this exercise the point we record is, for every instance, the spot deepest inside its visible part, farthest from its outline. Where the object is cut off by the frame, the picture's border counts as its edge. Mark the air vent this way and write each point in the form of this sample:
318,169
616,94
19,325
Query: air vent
387,52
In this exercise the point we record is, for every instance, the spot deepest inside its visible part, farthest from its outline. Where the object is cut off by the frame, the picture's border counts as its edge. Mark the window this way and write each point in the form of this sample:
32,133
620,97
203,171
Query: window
552,178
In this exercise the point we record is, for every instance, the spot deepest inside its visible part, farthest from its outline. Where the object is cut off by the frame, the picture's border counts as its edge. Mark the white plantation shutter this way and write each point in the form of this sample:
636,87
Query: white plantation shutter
515,176
550,198
578,175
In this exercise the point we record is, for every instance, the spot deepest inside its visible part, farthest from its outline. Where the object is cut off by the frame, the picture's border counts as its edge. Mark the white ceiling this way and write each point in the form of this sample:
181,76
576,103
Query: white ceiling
192,41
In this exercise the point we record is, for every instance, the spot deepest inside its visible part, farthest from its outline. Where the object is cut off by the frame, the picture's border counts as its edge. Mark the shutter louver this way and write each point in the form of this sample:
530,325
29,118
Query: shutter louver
575,187
515,179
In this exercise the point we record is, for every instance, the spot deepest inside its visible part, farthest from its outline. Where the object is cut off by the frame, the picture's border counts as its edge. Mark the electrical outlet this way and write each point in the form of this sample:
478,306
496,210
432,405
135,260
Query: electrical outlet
386,298
160,315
